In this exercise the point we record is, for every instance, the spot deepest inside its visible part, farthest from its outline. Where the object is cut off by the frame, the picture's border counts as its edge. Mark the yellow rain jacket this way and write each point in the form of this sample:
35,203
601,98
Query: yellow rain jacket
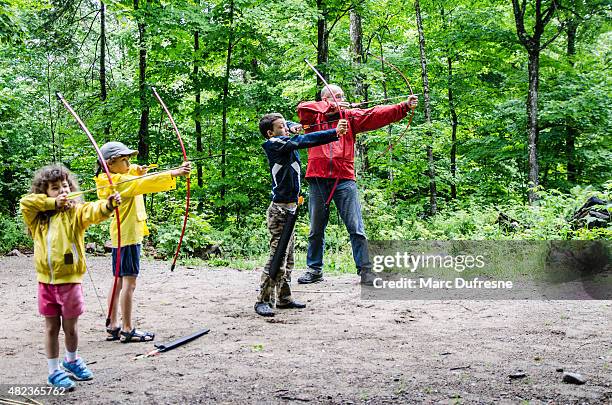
132,208
59,241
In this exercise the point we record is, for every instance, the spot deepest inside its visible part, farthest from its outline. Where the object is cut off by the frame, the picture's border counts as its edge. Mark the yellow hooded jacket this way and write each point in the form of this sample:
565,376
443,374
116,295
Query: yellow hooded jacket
132,208
59,239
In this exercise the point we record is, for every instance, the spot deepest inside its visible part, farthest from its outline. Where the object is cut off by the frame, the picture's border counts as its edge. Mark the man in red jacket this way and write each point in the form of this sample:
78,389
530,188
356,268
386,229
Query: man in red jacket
331,174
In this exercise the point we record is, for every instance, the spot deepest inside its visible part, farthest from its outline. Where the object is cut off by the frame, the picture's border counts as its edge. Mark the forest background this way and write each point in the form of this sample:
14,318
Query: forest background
510,138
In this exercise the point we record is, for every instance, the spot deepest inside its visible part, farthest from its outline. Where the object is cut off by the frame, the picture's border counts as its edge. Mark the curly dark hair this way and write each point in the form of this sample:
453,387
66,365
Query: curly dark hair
50,174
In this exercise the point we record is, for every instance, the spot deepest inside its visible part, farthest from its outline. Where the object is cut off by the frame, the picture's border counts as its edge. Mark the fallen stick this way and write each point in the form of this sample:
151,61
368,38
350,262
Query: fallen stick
320,291
12,402
33,400
460,368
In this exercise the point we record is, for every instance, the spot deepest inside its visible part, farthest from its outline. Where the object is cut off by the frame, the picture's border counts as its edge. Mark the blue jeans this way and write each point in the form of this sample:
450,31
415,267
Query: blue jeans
347,202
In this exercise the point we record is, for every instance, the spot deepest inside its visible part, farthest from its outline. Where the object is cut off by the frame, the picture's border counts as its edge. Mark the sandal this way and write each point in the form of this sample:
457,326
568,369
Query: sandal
113,334
136,336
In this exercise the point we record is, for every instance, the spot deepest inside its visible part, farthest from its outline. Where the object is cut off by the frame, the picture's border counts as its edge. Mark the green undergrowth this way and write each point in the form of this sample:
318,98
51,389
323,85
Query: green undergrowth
244,244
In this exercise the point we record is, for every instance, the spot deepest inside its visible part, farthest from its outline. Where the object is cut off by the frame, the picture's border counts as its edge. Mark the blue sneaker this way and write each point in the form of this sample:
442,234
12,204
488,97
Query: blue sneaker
60,379
78,369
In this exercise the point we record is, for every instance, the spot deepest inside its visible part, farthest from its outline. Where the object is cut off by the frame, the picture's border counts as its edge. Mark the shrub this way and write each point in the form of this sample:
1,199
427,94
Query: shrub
13,234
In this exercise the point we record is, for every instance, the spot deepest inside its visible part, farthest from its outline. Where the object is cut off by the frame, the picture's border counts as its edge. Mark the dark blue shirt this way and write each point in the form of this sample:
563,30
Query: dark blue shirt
284,161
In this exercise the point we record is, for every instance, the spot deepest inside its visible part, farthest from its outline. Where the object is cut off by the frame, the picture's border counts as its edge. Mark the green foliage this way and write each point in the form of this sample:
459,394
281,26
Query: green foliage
249,238
165,237
98,233
13,234
49,46
388,220
548,220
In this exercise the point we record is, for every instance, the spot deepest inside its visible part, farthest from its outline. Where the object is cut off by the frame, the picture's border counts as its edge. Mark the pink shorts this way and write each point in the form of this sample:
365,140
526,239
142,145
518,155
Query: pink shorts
61,299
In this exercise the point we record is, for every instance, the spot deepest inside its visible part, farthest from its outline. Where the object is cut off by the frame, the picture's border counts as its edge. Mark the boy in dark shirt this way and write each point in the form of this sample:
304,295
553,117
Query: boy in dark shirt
284,161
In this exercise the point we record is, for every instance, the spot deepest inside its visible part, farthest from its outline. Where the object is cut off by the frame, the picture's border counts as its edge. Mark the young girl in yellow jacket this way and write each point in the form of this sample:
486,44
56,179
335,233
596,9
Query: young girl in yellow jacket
133,229
57,225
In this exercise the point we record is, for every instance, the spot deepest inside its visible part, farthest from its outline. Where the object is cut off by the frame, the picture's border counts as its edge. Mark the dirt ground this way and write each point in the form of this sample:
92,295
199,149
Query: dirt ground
340,349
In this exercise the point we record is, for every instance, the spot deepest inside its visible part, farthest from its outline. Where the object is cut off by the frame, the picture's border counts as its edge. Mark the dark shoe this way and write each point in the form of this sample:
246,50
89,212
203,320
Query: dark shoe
310,277
113,334
263,309
136,335
368,277
291,305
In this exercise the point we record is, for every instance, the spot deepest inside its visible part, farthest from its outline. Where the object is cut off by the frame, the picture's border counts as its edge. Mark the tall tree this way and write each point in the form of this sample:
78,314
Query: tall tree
578,13
446,21
322,43
103,93
570,128
533,44
433,205
386,96
323,32
143,131
198,103
361,90
228,63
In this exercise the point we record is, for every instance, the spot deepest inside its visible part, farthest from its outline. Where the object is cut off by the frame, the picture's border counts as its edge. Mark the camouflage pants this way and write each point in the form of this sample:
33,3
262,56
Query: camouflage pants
277,216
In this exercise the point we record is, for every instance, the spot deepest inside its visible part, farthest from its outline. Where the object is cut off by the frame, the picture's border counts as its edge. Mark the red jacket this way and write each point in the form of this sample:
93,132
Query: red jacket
337,159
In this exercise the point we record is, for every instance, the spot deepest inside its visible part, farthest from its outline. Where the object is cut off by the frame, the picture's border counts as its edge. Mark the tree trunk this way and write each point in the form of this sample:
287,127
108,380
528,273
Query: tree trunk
532,124
389,127
198,106
532,44
228,61
356,33
433,206
322,47
103,94
570,129
143,131
360,87
452,110
454,123
50,104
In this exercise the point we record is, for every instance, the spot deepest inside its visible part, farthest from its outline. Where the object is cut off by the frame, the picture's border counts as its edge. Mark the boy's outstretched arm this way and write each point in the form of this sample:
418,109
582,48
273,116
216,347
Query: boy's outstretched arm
311,139
294,127
95,212
162,181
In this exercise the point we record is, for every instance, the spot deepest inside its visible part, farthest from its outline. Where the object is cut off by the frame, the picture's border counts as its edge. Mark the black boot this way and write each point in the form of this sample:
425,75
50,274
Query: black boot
291,305
309,277
368,277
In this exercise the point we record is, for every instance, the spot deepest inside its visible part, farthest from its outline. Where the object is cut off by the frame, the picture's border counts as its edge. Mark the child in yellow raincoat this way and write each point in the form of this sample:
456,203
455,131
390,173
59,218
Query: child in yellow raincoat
57,225
133,229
